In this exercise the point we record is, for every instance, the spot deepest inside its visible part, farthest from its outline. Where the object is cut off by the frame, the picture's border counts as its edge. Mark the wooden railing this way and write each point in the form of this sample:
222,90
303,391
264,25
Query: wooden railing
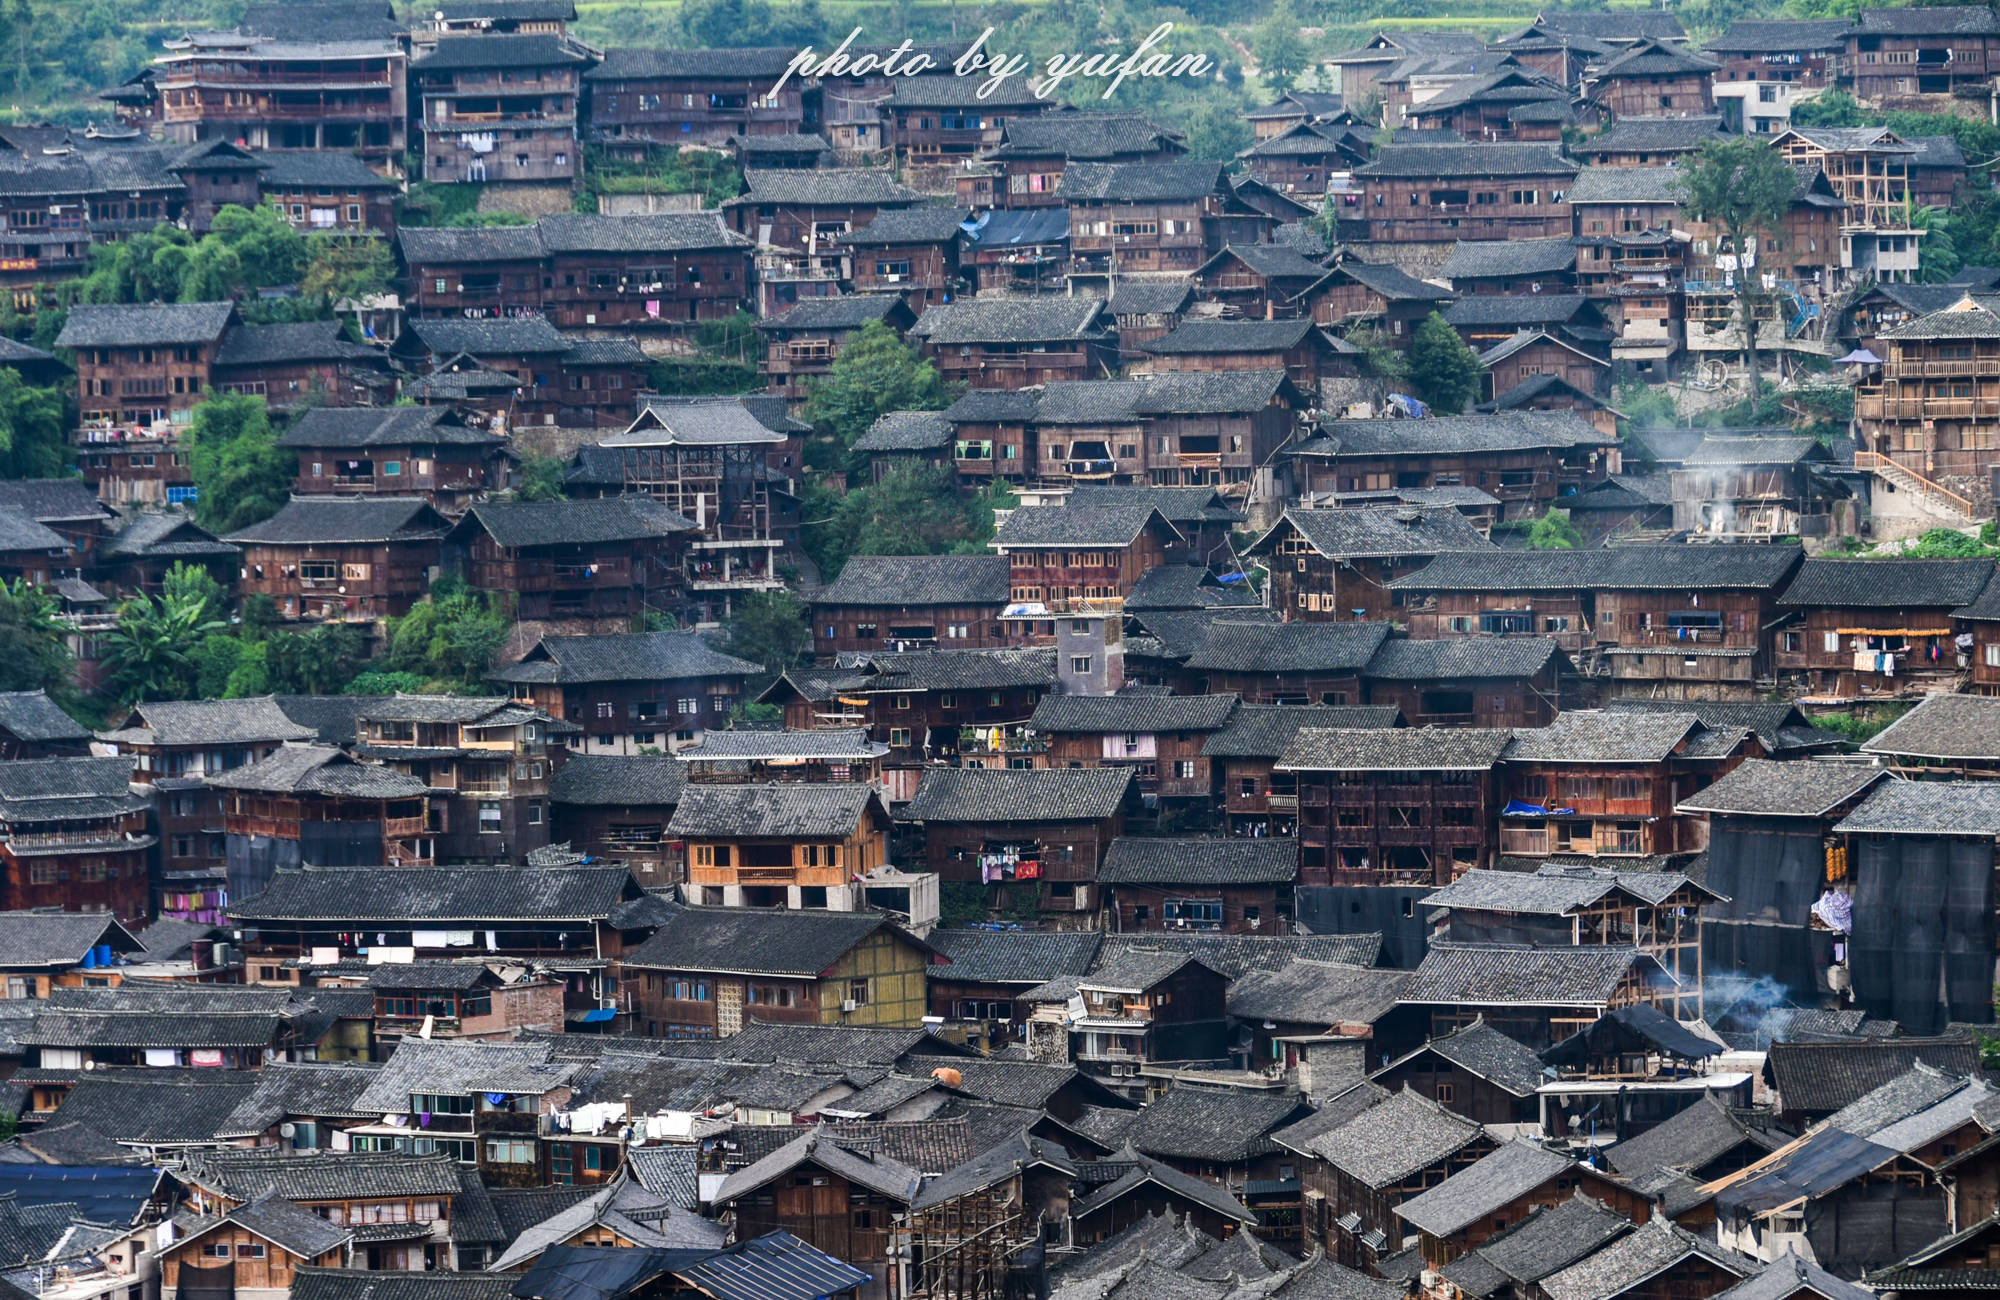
1891,468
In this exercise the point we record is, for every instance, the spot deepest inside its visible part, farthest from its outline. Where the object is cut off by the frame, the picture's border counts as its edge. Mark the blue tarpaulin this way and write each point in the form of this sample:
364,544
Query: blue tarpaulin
1515,808
598,1016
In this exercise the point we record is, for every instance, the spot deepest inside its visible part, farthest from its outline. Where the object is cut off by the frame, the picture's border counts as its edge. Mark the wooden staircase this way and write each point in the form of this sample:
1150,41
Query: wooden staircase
1937,495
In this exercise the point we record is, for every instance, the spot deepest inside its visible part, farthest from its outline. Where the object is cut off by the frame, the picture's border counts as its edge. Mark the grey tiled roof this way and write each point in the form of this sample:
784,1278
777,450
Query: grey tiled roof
1236,954
1487,1186
1439,435
737,940
57,939
308,1089
208,722
1704,1132
1182,587
281,1223
1082,135
459,1068
920,225
1641,1254
1475,259
1887,584
1219,336
33,716
500,50
1224,1125
1149,297
369,1284
624,657
1655,134
1804,788
849,311
1145,1170
958,794
53,500
1154,181
1943,727
1013,956
470,894
1317,993
268,345
1394,749
915,580
665,232
1404,660
1288,647
1626,185
1425,161
1596,736
1209,392
647,62
1010,320
153,1107
1178,633
315,169
156,324
1927,808
907,431
1484,1051
1392,282
993,1166
307,521
426,245
1618,568
828,185
1131,711
618,781
594,520
1510,975
781,810
1207,861
1401,1135
1939,20
489,336
320,770
382,426
321,1175
1549,1239
67,789
1654,58
1553,890
1821,1077
1088,525
1519,310
1266,730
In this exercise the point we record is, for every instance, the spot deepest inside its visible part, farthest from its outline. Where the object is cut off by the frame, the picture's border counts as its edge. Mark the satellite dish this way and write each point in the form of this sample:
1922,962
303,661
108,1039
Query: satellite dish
288,1129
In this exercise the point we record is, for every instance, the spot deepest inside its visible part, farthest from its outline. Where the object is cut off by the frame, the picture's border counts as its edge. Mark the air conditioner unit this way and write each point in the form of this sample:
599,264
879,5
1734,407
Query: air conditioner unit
1429,1277
1123,1071
850,1005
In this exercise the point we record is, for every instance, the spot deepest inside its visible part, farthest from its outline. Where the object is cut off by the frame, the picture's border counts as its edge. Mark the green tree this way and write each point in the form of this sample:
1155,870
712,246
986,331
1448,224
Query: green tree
150,655
244,249
1384,361
347,266
875,373
215,659
241,475
1214,130
34,651
912,511
251,676
1443,369
33,441
540,477
768,628
1554,532
450,638
1280,51
1743,187
319,662
377,683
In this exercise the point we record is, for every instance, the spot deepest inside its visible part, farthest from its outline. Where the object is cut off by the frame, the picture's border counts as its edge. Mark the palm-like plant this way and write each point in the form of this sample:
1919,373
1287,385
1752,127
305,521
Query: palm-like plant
149,655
